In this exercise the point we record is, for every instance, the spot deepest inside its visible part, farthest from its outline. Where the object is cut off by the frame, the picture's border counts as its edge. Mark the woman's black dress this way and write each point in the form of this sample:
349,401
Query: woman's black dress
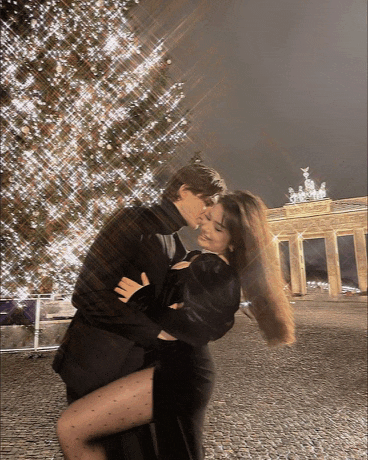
184,376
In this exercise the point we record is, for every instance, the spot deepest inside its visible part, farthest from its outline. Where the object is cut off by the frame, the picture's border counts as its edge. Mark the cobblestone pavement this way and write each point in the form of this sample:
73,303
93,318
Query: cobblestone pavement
303,402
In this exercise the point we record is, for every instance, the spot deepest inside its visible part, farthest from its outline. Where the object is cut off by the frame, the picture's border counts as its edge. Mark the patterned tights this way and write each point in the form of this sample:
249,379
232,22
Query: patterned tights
116,407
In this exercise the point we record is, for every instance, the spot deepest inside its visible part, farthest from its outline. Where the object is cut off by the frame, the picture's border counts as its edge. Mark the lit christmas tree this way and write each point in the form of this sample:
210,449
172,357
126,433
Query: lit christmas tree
88,118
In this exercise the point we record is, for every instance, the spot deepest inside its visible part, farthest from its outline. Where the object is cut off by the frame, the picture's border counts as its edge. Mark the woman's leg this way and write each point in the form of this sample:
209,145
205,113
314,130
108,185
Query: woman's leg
116,407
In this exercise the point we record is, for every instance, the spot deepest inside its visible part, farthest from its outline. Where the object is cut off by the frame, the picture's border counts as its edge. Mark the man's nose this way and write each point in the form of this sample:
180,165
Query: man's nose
203,210
200,219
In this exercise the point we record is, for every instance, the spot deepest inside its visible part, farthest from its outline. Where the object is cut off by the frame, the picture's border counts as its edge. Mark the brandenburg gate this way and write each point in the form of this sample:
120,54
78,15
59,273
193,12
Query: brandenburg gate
310,214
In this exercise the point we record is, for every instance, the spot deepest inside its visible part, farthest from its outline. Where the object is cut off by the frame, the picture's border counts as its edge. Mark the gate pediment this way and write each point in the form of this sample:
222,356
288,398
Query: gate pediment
311,208
315,218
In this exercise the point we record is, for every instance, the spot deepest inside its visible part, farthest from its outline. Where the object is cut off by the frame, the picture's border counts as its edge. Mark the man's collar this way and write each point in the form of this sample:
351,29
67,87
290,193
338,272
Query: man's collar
174,220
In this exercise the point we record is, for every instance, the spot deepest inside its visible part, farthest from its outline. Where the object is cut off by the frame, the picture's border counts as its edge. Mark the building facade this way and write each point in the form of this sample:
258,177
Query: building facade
324,218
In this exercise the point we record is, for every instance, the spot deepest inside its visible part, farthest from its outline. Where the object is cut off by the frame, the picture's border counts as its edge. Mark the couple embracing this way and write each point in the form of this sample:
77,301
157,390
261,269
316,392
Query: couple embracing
135,358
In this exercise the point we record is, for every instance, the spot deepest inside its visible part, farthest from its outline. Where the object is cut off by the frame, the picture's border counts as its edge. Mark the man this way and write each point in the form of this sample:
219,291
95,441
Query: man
105,339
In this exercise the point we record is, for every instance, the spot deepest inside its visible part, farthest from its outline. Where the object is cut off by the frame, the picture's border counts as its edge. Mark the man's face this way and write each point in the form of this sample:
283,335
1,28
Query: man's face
192,206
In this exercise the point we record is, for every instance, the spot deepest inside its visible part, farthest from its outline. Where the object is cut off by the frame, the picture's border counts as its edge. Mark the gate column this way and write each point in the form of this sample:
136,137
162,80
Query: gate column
276,244
333,263
361,258
297,265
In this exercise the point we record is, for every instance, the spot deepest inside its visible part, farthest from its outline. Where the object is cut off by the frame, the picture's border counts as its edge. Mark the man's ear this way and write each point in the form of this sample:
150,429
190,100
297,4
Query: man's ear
182,192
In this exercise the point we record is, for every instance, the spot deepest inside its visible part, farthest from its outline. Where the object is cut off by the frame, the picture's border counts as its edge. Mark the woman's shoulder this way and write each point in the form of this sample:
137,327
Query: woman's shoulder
211,272
209,262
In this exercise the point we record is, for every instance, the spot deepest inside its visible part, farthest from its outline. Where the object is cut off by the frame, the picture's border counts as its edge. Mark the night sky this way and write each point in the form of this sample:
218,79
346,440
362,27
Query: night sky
274,86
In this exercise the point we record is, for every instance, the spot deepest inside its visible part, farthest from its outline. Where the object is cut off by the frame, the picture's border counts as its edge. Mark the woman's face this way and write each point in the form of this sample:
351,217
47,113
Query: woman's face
213,235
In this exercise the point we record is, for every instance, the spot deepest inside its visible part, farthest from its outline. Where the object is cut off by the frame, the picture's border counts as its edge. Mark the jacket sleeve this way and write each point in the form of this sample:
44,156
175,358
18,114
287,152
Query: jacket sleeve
211,297
112,256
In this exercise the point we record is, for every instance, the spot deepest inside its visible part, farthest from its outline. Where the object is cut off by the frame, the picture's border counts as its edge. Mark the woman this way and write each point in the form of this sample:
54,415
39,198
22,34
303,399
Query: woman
236,233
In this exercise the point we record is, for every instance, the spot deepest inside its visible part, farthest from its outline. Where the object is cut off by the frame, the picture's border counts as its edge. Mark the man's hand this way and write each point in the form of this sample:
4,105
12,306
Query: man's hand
127,287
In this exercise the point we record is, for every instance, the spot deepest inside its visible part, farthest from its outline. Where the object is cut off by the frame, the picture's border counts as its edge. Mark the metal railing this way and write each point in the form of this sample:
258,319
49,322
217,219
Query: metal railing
33,314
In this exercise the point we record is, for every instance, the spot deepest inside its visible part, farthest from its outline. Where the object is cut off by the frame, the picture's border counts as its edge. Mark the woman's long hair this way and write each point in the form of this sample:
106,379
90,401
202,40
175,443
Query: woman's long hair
254,257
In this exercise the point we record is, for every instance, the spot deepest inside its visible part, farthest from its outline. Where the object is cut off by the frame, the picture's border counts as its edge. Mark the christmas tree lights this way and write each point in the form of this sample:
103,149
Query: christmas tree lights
88,118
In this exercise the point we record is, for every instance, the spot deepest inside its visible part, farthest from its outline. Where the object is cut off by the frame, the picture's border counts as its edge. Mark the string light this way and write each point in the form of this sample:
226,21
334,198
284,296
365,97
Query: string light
85,126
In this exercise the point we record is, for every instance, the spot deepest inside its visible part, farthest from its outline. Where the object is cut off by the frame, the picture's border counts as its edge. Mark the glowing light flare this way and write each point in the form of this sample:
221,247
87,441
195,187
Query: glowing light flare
64,164
112,43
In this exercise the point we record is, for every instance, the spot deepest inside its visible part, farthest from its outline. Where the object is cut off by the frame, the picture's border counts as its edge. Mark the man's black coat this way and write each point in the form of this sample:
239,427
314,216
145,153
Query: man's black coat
106,338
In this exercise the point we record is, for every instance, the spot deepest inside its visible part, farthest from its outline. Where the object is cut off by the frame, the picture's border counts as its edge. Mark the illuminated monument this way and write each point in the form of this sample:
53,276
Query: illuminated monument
311,214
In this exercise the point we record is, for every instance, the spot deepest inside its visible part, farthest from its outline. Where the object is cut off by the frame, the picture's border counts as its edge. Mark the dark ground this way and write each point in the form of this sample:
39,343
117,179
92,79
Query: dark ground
304,402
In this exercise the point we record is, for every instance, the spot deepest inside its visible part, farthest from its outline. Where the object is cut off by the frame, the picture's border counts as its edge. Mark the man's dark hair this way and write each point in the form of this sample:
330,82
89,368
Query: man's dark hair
199,179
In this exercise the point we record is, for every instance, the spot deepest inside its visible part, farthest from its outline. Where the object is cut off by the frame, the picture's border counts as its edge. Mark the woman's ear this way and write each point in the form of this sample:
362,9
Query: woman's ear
231,248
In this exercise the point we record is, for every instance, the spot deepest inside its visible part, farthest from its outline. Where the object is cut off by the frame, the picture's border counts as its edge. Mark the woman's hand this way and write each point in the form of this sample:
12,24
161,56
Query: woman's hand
176,306
166,336
127,287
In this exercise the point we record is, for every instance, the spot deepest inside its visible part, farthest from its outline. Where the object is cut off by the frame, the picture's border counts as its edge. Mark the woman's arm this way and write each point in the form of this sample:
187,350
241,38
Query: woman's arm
211,297
127,288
